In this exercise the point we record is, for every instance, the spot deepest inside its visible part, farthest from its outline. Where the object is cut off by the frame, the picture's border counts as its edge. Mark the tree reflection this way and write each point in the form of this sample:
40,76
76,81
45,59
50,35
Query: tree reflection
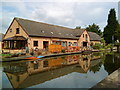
96,68
111,63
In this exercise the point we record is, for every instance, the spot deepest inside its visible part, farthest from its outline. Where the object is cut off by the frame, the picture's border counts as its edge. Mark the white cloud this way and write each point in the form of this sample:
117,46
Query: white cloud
6,20
102,25
55,13
70,14
60,0
20,7
96,11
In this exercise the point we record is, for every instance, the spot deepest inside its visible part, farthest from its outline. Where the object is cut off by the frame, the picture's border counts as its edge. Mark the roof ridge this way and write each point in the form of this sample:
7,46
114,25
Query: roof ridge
44,23
48,28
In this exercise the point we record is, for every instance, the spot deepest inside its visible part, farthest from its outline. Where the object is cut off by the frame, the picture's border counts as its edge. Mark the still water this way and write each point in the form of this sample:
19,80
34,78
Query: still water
71,71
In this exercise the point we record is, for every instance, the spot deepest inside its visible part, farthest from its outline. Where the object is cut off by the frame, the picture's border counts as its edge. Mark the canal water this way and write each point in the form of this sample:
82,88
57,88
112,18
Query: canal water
71,71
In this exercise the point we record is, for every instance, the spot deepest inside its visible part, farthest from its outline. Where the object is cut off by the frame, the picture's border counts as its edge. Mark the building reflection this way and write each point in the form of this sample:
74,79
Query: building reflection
26,74
85,62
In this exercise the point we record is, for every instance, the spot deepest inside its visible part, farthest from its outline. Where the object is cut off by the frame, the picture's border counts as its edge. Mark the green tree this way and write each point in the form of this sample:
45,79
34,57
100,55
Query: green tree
111,63
94,28
109,30
96,68
103,41
117,32
78,27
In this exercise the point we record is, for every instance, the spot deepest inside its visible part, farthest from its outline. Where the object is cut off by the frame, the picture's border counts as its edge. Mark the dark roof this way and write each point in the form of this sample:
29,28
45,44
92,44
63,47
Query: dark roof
34,28
1,36
78,32
15,38
94,36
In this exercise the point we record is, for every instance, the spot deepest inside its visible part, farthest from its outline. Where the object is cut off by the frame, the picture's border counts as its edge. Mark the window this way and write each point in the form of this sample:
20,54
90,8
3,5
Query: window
63,44
45,63
18,78
17,30
35,43
10,30
69,44
75,43
83,35
35,66
86,37
58,43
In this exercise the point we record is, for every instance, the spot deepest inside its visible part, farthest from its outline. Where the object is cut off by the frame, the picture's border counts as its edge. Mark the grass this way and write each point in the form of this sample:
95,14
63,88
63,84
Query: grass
5,55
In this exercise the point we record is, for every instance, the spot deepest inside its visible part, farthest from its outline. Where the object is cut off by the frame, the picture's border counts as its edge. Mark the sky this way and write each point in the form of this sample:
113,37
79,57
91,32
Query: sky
63,13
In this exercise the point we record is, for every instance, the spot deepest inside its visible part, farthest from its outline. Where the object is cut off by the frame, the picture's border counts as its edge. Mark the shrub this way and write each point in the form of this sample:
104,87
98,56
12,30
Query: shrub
109,46
91,44
97,46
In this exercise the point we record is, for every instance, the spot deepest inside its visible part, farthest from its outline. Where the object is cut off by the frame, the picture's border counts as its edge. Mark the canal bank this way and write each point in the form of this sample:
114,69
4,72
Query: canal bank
48,55
44,56
111,82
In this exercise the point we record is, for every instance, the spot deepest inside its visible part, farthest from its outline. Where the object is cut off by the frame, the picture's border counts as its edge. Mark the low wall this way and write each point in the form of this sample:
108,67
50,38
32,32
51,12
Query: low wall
14,50
111,81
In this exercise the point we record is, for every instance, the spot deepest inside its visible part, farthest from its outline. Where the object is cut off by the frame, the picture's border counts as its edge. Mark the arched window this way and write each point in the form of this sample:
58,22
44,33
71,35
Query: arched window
83,35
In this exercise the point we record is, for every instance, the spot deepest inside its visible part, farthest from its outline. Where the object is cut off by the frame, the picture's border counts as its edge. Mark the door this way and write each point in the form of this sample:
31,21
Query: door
45,44
84,44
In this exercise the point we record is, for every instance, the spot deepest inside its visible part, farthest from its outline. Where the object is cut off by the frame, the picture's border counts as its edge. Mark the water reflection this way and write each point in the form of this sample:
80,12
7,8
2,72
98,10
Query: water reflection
112,62
26,74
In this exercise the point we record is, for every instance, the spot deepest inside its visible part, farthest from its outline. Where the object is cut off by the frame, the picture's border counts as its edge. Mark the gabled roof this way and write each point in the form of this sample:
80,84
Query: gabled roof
40,29
94,36
34,28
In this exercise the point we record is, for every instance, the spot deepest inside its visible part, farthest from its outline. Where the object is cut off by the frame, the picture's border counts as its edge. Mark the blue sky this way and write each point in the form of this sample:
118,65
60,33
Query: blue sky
69,14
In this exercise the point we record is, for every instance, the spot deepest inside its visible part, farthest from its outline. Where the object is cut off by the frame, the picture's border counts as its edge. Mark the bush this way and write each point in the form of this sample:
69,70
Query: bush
96,46
99,46
109,46
91,44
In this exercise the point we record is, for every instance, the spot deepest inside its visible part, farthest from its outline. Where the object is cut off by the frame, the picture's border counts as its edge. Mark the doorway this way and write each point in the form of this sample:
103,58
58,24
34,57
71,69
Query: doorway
84,44
45,44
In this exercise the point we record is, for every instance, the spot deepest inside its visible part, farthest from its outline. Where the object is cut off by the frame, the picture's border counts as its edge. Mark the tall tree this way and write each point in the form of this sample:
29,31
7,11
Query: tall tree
94,28
117,33
109,30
